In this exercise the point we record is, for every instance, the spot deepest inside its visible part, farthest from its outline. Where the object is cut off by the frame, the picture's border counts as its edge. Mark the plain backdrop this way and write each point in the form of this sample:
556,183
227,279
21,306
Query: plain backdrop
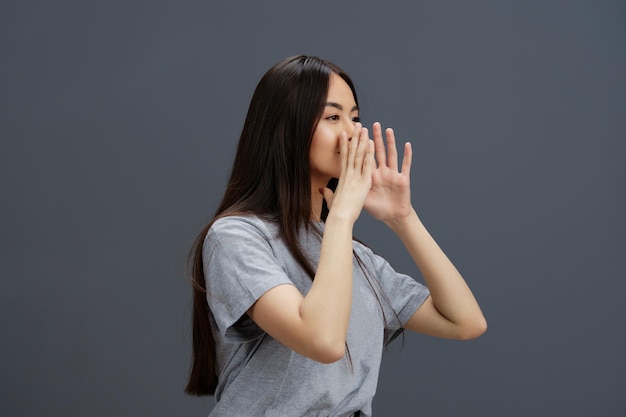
118,124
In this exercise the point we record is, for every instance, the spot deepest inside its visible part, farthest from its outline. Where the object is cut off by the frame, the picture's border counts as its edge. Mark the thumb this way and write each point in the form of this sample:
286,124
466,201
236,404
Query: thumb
328,196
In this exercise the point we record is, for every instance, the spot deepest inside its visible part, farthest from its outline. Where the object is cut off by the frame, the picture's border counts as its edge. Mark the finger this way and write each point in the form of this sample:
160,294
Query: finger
369,164
354,144
361,150
392,152
379,144
407,159
343,150
328,195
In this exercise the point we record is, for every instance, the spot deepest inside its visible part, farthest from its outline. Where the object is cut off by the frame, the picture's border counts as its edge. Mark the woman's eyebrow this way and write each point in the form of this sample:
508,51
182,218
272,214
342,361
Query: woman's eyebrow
339,106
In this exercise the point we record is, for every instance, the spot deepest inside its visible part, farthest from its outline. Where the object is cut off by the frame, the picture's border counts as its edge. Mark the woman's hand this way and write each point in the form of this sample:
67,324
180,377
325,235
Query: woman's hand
390,196
355,181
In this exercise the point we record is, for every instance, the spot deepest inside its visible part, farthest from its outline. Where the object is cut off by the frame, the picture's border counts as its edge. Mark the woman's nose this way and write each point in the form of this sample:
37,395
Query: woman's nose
348,126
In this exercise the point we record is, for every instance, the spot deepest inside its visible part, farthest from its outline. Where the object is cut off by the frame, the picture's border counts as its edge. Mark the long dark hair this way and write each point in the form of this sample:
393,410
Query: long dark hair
270,178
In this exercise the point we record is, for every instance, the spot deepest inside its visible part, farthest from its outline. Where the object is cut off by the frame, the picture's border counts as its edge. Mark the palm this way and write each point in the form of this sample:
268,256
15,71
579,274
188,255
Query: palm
390,195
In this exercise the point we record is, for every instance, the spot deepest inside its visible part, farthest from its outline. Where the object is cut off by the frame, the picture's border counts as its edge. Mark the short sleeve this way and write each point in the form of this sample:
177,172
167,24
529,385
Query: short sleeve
402,295
239,267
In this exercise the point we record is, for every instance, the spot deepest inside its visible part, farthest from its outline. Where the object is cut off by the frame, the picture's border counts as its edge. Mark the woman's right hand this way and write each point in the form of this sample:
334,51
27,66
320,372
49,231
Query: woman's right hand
316,325
355,180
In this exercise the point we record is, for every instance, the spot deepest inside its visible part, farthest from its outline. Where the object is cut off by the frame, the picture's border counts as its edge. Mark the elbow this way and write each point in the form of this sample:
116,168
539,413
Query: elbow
329,352
331,356
473,330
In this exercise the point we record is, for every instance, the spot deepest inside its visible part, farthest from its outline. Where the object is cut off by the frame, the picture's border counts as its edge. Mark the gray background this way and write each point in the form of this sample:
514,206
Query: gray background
118,123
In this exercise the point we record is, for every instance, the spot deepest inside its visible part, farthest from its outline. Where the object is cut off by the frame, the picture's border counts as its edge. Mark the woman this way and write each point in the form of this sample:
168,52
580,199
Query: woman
290,313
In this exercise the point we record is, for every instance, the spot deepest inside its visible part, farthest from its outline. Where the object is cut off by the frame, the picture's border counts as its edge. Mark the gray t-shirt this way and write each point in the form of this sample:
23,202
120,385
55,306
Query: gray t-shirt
244,257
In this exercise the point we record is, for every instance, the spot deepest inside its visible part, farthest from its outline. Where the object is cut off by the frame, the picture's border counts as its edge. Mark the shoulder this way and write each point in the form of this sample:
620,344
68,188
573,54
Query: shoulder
374,262
241,226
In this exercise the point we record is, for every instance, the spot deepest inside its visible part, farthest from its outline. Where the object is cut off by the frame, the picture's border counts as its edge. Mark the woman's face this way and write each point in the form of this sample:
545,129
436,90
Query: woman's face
339,115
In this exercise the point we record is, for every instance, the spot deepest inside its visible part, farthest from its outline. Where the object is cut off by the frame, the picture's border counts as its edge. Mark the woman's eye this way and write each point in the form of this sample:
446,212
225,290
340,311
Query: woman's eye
334,117
356,119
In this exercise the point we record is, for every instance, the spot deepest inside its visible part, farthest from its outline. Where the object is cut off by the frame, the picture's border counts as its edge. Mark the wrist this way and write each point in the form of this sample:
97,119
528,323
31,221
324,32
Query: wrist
339,221
398,225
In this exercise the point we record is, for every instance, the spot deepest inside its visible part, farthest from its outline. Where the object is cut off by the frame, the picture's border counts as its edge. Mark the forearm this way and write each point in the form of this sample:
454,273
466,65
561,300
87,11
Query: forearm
450,293
326,307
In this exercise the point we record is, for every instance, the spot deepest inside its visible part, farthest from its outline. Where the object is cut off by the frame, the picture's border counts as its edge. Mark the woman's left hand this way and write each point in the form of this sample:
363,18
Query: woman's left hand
390,195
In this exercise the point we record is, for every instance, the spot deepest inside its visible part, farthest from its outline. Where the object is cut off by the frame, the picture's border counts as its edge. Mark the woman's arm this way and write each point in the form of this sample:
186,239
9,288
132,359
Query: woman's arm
316,325
451,311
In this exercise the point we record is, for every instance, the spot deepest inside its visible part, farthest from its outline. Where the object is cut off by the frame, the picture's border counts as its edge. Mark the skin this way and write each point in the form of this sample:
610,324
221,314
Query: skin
316,326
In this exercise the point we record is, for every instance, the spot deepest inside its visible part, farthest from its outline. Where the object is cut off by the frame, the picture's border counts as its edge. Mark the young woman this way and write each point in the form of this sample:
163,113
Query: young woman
290,313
